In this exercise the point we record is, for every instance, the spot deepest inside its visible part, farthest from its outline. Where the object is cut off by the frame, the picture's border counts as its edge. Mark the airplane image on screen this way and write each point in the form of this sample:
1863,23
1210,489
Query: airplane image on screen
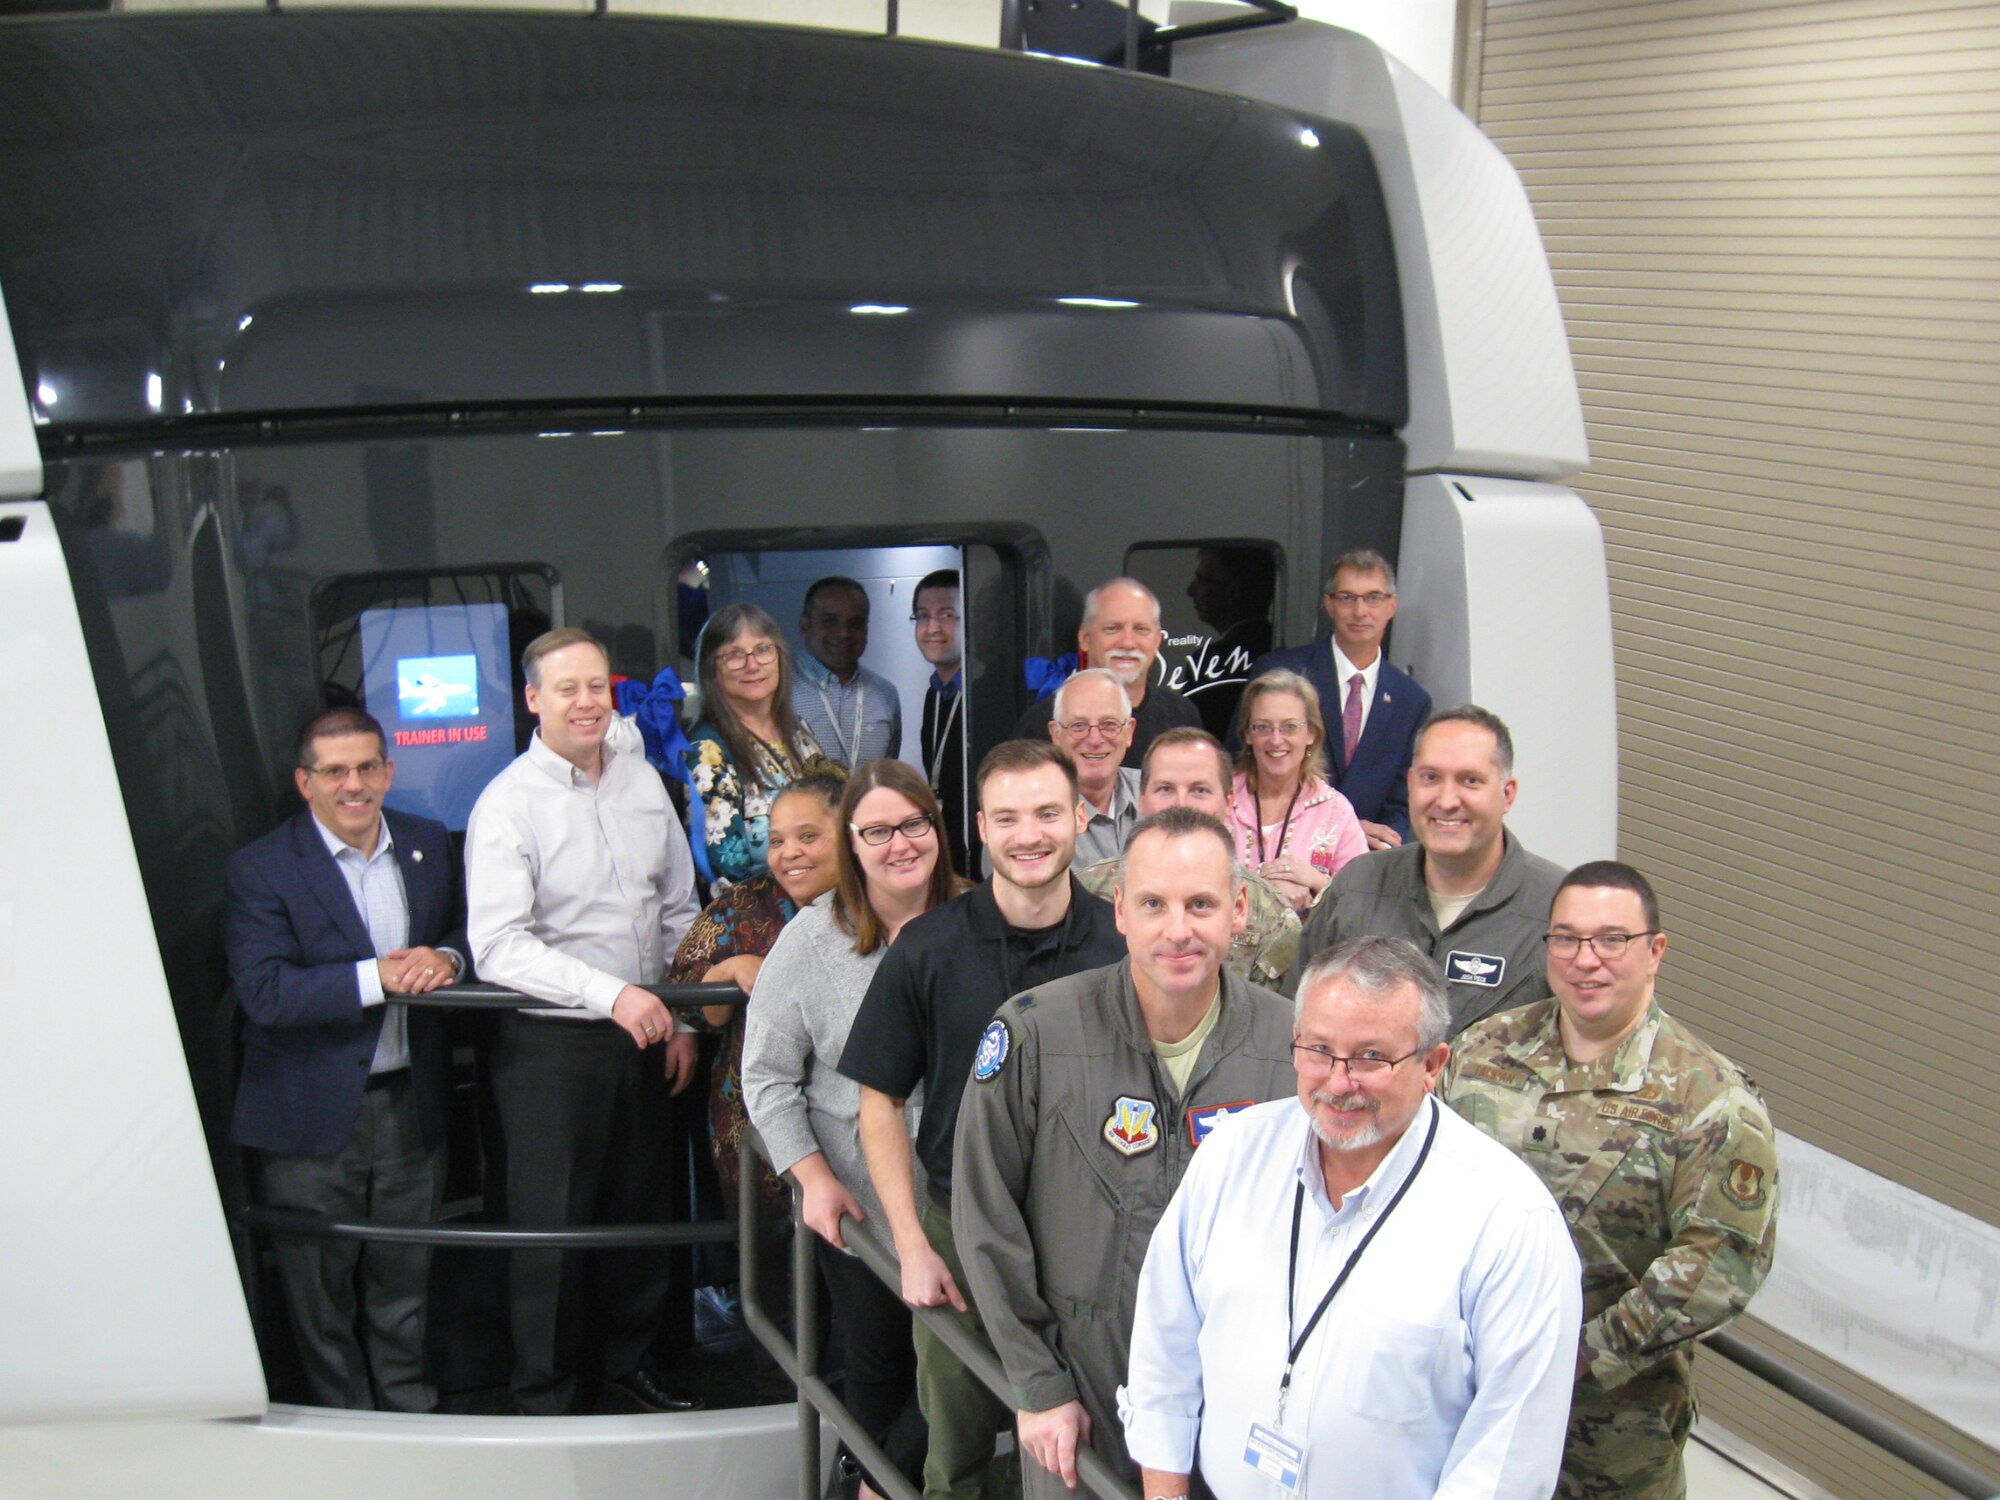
437,687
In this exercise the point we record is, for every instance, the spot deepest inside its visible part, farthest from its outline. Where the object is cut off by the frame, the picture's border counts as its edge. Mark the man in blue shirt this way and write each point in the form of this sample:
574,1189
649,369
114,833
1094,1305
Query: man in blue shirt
855,714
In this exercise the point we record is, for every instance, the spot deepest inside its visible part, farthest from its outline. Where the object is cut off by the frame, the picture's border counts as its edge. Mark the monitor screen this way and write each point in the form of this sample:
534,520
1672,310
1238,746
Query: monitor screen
439,679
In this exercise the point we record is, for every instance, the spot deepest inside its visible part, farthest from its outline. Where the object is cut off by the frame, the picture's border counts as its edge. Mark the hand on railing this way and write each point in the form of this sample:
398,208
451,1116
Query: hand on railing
823,1200
926,1278
1052,1437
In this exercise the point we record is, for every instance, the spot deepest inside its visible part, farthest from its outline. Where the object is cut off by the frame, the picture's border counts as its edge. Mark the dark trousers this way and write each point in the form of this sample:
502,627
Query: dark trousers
881,1384
964,1417
584,1116
358,1310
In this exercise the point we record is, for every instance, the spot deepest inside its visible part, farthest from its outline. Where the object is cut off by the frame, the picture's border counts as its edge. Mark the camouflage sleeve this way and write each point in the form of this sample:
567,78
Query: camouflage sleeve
1271,937
1723,1208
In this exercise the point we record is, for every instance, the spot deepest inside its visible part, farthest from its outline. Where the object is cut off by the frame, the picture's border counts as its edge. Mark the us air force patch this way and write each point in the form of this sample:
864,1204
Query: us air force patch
1483,969
1134,1125
991,1057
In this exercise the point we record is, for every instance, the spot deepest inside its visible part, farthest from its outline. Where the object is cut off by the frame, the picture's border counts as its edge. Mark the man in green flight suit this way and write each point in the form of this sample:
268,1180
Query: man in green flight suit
1662,1157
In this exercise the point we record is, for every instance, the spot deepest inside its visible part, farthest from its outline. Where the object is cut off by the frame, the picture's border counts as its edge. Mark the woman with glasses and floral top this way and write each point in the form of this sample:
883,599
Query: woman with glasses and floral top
1289,823
891,866
749,744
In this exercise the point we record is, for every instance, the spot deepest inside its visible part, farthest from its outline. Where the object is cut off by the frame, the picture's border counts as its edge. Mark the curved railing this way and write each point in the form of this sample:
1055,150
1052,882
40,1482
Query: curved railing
799,1354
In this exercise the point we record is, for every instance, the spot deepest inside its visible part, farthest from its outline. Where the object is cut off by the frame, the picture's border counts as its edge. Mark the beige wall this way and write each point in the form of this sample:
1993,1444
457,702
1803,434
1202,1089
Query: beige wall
1775,237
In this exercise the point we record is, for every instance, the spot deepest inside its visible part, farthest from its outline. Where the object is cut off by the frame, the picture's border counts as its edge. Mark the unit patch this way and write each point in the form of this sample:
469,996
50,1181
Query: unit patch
994,1043
1203,1119
1483,969
1134,1125
1744,1184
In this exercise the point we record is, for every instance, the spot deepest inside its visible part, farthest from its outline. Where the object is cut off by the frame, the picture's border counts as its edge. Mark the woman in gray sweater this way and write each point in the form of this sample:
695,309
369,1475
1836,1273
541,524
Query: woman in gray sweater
892,866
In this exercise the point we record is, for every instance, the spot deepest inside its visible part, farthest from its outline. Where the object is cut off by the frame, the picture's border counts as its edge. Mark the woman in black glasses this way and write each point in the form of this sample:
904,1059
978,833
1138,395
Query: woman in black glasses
891,867
748,746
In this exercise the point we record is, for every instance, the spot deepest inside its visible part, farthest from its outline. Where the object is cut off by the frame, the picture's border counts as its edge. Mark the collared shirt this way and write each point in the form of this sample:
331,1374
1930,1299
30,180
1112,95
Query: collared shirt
854,721
1444,1366
1104,836
1343,671
377,887
1491,954
946,974
574,890
1161,709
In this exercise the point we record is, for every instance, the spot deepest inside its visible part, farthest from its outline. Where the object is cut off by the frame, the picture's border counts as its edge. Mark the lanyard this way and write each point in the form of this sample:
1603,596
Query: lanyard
847,753
1284,828
1292,1270
944,737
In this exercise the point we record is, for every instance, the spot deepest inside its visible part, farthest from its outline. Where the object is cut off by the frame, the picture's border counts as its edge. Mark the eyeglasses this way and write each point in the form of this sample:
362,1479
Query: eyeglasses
1290,729
1604,944
368,770
878,834
1374,599
1315,1060
935,617
1076,729
735,659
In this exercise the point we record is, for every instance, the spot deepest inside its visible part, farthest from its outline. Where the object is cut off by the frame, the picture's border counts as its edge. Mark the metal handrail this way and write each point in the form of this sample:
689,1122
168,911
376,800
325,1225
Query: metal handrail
1899,1442
479,995
801,1362
295,1223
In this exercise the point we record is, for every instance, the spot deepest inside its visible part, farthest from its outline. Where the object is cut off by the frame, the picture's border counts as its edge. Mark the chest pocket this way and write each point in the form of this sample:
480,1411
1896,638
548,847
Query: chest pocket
1392,1370
1079,1191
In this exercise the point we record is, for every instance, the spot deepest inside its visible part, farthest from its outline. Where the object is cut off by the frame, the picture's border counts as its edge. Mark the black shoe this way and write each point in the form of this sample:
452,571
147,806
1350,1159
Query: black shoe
654,1394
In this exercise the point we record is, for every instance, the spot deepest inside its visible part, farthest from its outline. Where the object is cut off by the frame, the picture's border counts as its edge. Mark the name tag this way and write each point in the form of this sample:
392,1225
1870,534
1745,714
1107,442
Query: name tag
1486,970
1275,1454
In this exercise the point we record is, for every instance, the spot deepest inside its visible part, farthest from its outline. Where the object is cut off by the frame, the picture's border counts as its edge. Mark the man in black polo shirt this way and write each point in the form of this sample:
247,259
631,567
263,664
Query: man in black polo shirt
927,1016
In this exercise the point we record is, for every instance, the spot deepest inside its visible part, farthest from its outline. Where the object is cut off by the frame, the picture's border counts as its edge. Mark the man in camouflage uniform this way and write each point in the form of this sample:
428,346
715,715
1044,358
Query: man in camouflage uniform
1663,1160
1189,768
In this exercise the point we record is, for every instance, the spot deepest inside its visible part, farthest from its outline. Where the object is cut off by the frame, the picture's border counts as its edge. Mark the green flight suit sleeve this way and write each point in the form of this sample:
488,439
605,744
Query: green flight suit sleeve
991,1157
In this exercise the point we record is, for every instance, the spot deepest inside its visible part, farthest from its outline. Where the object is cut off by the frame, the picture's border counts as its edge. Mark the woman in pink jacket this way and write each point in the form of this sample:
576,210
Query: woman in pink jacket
1290,825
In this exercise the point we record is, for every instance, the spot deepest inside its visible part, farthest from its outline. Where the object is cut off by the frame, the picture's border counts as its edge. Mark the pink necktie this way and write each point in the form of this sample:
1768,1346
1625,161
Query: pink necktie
1350,719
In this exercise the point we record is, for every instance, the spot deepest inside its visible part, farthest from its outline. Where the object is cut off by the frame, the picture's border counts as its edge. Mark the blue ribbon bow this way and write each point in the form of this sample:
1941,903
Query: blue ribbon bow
1047,673
656,710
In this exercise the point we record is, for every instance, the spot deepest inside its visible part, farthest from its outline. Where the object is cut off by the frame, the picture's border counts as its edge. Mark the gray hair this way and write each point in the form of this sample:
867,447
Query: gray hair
1090,599
1378,967
1361,560
1484,718
1095,674
1180,823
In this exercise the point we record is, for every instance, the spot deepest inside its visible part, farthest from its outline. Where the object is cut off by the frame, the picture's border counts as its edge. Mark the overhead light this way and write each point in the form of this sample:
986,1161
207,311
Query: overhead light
1308,137
155,389
1095,302
46,394
543,288
243,322
877,309
602,286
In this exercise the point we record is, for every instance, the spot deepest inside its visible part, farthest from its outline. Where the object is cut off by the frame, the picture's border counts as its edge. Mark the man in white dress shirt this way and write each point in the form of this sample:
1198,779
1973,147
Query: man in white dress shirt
1427,1345
580,887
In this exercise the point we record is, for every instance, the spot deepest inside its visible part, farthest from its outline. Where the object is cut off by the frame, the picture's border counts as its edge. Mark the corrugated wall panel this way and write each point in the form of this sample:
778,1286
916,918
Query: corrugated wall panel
1775,230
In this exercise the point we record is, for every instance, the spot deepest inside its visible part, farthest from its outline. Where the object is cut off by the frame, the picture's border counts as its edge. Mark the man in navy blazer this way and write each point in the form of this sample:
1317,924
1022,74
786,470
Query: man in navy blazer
1365,700
342,1096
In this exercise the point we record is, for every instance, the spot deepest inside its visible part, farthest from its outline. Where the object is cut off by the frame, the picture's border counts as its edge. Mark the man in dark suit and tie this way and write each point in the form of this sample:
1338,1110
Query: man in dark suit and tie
1372,710
342,1095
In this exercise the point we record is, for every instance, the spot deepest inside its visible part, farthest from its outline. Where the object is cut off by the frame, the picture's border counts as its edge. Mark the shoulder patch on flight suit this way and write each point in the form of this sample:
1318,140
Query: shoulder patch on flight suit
1743,1185
1204,1118
1486,970
991,1057
1134,1125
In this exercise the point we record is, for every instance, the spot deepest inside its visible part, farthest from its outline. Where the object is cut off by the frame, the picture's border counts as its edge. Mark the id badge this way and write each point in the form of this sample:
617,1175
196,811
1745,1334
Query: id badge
1275,1454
